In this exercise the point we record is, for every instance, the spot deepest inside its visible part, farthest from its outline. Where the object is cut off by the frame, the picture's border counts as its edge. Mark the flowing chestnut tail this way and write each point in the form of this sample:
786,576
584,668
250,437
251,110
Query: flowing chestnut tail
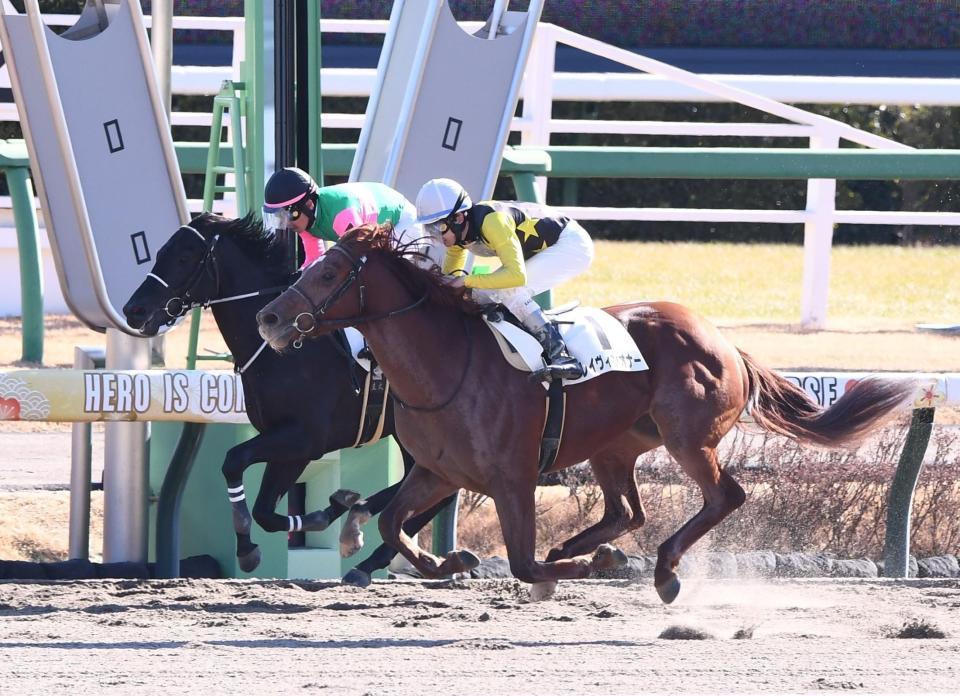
777,405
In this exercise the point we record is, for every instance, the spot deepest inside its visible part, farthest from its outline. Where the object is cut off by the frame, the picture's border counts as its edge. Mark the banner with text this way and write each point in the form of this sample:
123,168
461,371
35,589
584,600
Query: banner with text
217,396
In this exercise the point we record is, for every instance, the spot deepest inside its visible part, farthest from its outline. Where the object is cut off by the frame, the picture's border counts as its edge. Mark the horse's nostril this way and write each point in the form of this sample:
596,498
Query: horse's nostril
268,319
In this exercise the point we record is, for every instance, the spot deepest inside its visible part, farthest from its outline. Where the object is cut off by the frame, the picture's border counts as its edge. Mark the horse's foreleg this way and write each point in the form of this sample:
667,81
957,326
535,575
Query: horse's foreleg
516,509
420,490
361,574
613,469
237,460
721,496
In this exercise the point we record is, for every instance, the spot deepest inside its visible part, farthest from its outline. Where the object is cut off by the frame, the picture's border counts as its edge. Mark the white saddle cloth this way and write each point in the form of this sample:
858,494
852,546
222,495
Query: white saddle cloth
598,341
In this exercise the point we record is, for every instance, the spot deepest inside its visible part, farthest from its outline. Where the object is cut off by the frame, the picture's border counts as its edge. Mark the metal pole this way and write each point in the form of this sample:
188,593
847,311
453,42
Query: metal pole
896,548
125,464
161,42
171,493
445,528
81,458
284,47
284,85
315,137
31,269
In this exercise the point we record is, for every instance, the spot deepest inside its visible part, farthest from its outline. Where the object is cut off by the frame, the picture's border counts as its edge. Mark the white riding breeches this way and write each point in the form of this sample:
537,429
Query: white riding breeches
569,257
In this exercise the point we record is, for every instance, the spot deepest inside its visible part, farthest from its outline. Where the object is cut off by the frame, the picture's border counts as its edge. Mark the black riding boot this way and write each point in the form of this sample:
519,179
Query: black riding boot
559,362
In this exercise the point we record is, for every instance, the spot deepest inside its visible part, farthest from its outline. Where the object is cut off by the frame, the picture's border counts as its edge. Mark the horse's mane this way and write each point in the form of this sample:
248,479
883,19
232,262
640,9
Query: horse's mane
262,248
378,240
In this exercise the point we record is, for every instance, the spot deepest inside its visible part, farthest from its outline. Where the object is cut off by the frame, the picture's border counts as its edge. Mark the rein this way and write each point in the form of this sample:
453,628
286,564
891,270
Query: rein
463,378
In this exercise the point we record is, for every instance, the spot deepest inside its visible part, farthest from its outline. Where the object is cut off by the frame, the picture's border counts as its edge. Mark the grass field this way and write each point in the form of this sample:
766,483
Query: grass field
870,286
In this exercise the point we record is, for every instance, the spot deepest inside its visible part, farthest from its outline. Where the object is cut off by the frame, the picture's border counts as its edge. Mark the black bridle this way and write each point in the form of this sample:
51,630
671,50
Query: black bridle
179,305
357,265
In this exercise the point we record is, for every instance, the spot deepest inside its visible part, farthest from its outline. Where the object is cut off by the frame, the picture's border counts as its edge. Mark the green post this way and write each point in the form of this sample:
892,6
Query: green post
896,551
314,126
253,76
31,270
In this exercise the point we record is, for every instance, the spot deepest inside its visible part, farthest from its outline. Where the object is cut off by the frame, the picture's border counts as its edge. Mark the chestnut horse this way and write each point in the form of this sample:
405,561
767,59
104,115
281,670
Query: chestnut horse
474,422
234,265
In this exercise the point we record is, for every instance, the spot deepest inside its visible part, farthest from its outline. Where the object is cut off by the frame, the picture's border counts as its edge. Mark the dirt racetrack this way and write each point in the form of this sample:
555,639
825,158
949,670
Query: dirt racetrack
478,636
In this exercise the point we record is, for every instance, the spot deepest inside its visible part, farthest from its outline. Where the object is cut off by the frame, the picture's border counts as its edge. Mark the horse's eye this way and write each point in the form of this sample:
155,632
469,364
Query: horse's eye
327,276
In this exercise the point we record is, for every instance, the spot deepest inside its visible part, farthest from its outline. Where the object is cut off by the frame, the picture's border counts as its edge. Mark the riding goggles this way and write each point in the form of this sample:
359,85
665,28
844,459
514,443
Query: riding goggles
447,224
278,219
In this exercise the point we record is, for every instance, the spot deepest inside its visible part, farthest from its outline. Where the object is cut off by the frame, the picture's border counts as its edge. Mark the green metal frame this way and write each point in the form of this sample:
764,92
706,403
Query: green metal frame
15,164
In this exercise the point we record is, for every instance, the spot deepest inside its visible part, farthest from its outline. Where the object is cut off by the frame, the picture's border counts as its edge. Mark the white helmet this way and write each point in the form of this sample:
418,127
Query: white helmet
439,199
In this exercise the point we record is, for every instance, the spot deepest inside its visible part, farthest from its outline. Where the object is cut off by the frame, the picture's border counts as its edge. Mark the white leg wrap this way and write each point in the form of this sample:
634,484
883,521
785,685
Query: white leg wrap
236,494
295,523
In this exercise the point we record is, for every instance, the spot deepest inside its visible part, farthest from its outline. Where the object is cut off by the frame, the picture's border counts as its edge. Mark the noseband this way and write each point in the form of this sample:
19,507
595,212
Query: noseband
177,306
307,322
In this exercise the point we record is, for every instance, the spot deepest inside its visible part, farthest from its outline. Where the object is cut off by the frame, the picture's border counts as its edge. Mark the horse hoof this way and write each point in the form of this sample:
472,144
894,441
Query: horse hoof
249,561
356,577
468,559
608,557
669,590
540,591
344,497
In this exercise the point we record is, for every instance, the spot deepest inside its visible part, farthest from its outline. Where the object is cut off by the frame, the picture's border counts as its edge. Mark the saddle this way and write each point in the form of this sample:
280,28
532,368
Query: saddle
599,342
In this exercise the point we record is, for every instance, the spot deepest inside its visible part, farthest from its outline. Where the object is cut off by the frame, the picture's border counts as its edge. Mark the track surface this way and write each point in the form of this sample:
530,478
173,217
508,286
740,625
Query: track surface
405,637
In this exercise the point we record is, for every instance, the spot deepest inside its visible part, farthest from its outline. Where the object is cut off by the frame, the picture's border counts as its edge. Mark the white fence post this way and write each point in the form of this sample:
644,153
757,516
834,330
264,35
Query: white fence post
817,241
538,96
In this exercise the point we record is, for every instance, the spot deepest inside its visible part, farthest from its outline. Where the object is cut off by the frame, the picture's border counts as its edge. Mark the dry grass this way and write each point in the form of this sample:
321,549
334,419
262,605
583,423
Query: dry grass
35,525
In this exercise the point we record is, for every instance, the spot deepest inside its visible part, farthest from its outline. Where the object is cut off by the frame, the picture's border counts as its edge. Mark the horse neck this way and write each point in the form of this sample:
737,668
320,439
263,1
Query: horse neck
236,319
422,351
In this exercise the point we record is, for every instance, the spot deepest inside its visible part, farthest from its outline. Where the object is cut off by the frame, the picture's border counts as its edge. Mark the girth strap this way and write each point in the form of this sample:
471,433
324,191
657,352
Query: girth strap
375,391
553,425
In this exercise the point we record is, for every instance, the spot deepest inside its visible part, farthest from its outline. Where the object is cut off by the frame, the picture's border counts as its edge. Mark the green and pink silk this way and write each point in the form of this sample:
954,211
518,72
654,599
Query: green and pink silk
342,207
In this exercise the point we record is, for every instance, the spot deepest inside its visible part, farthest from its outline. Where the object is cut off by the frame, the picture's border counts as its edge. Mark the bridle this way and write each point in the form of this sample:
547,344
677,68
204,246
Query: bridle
357,265
179,305
306,323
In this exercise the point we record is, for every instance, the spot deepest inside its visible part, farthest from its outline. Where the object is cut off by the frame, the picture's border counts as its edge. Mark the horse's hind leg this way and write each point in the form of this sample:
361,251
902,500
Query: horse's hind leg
420,491
351,536
360,575
613,468
721,496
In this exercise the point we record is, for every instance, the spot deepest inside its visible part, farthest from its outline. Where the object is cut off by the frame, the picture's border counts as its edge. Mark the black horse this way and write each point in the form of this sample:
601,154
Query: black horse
236,267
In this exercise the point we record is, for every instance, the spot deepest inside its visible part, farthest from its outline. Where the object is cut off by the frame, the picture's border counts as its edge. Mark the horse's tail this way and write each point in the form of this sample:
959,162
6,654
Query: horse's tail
779,406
